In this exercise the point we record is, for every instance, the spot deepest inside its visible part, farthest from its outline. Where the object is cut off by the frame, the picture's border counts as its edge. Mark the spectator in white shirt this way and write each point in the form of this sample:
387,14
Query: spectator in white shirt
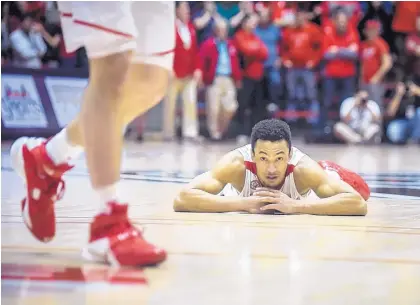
27,44
360,120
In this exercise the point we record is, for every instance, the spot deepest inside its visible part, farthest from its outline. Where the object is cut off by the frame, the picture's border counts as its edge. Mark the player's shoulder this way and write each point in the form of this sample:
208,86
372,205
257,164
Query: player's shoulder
306,166
231,163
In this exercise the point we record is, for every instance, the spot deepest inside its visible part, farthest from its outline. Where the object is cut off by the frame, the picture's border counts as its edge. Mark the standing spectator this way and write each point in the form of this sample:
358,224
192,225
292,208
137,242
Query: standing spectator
253,53
360,120
235,12
341,49
204,20
221,75
403,24
302,52
187,77
27,44
381,12
270,36
412,46
376,62
404,113
327,11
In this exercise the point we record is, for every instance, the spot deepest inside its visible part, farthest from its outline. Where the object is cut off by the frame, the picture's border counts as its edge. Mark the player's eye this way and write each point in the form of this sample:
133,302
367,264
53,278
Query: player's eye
280,159
263,158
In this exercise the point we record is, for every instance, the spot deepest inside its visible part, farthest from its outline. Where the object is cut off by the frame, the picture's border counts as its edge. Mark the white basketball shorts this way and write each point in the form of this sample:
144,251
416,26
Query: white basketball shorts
106,28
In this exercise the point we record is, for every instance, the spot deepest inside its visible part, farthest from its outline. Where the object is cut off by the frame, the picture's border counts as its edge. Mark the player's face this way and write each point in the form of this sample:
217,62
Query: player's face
271,160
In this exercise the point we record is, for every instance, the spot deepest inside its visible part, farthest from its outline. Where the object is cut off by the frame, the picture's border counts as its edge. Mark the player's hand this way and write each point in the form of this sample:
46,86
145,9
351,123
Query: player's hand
253,204
277,201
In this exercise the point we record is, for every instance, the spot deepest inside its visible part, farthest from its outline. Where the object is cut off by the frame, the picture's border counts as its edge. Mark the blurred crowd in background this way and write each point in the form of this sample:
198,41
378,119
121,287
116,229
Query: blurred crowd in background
349,69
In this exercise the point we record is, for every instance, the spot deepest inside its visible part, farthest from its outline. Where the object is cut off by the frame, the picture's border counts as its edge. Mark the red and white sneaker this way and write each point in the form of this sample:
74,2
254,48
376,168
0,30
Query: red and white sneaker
114,240
353,179
44,185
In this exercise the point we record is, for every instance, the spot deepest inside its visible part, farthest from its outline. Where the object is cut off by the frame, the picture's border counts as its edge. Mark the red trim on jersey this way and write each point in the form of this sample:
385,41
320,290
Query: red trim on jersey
252,167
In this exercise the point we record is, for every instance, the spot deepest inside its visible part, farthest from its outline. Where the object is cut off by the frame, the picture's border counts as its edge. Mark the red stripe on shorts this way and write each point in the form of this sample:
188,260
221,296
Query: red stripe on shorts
68,15
102,28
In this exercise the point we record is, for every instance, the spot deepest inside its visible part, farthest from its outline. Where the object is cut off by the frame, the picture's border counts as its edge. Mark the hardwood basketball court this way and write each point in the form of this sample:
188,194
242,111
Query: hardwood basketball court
232,259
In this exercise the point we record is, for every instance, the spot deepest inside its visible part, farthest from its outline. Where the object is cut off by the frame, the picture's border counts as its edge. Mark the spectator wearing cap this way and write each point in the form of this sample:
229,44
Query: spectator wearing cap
187,76
27,44
302,52
376,61
253,53
222,76
360,120
270,35
341,50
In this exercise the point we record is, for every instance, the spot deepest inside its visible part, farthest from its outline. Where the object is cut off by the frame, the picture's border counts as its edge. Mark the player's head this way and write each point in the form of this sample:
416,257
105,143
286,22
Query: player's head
271,143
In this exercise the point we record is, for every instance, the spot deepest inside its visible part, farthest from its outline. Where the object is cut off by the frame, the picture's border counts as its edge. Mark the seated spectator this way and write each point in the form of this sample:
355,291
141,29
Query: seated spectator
341,50
360,120
404,113
270,36
376,61
187,78
253,54
412,46
302,52
27,44
221,75
204,20
403,24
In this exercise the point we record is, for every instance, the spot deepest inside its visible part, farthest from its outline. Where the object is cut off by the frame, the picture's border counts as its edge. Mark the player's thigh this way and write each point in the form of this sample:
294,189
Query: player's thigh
155,25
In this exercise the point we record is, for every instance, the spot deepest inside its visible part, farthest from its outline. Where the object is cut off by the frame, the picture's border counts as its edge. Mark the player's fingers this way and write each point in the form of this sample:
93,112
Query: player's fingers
269,207
263,194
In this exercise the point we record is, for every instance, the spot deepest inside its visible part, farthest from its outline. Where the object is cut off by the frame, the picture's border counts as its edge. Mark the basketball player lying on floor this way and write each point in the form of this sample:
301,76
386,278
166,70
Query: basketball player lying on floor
271,175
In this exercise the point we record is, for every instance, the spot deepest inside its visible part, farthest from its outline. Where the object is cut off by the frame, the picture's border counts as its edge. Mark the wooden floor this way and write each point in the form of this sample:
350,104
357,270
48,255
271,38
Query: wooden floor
229,259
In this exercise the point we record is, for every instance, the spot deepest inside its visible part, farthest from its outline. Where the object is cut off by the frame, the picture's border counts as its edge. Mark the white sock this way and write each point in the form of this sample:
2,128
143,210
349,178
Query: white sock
61,150
106,194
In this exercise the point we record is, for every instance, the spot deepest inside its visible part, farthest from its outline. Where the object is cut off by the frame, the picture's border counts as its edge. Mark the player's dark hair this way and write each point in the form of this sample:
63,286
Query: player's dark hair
272,130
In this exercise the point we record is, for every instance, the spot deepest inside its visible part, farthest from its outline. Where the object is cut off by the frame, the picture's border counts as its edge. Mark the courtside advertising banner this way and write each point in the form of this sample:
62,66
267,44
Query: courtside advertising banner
21,105
65,96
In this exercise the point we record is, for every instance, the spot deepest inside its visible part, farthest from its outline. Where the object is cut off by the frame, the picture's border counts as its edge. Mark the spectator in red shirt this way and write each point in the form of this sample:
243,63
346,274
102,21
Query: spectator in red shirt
341,49
328,8
253,53
186,79
302,52
376,61
403,24
412,46
221,75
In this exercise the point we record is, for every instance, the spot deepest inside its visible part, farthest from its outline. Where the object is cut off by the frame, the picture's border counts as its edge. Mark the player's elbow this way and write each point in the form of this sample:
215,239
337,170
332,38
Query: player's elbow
358,206
181,202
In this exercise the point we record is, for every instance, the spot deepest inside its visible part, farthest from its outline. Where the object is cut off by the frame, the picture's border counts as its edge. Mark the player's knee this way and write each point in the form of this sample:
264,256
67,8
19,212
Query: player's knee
108,74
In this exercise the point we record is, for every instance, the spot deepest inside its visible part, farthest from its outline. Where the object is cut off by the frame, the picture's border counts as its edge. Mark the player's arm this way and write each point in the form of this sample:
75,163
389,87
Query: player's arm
335,196
201,194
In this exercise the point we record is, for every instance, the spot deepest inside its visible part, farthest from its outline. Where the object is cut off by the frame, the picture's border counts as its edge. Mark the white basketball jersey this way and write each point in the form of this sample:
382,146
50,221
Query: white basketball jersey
252,182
